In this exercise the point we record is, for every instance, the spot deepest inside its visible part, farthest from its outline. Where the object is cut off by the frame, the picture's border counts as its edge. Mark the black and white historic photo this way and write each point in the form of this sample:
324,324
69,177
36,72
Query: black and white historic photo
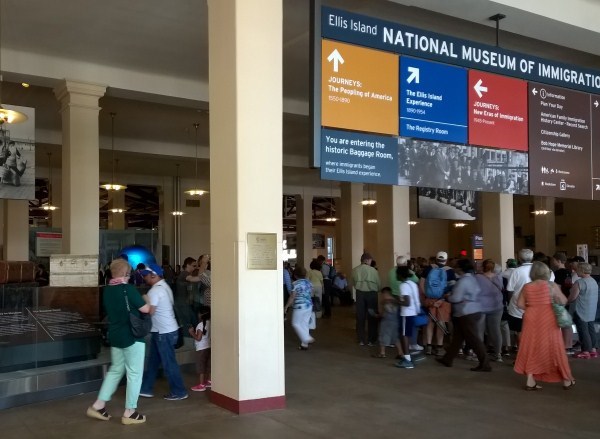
17,157
449,166
451,204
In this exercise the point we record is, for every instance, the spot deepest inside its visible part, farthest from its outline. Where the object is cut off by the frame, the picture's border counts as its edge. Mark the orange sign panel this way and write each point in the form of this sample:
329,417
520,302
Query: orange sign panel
359,88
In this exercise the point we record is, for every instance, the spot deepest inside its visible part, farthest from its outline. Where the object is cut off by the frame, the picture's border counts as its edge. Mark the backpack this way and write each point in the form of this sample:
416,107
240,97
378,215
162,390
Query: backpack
332,272
435,283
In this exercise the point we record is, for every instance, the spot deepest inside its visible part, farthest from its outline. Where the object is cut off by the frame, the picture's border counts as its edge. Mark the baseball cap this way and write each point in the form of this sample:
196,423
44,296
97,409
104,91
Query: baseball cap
442,256
152,269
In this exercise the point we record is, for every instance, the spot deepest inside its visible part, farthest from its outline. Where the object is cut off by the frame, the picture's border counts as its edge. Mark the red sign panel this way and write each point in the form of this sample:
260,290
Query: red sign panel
497,111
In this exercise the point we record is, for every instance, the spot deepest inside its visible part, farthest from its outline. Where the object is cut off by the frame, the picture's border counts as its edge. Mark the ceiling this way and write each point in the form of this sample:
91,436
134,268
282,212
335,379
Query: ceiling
153,56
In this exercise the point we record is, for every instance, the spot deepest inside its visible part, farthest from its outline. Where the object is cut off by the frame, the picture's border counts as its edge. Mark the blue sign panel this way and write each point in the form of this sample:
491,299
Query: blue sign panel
433,102
358,157
393,37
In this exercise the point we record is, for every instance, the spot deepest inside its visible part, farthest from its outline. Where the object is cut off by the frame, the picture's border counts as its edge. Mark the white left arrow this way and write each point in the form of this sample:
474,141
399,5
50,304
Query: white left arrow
479,89
336,58
414,75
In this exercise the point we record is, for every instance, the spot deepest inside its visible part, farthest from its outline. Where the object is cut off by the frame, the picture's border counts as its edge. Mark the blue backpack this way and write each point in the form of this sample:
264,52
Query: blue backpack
435,283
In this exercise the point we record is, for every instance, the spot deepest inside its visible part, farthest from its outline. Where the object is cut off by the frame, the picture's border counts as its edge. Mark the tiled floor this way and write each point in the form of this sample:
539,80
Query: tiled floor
337,390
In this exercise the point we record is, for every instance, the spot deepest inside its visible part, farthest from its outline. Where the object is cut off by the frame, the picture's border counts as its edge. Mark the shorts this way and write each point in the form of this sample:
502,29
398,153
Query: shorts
406,326
388,330
203,361
515,323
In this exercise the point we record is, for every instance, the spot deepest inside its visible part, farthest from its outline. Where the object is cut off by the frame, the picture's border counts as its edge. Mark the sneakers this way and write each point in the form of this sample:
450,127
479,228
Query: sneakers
371,344
198,388
146,395
593,354
439,351
429,350
585,355
497,358
405,364
416,347
208,384
175,397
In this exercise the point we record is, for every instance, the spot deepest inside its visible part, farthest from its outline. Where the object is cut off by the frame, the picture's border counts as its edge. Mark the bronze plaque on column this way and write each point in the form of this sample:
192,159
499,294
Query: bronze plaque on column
261,251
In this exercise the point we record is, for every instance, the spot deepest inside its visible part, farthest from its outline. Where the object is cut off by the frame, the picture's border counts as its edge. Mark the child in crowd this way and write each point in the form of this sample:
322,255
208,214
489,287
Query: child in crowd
388,326
202,341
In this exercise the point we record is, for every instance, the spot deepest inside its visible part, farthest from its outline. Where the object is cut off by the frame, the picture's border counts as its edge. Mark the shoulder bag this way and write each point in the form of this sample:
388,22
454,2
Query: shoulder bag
140,326
563,318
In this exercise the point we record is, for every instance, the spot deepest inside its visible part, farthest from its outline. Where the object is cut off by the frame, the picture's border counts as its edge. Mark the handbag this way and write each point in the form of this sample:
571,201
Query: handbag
316,304
180,341
312,322
140,326
563,318
422,318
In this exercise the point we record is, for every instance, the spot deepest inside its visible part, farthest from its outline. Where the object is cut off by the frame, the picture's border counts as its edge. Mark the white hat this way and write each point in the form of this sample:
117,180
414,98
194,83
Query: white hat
442,256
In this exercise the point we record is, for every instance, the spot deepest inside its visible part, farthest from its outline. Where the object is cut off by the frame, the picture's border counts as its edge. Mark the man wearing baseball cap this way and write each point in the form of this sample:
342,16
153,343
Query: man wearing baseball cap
436,304
164,336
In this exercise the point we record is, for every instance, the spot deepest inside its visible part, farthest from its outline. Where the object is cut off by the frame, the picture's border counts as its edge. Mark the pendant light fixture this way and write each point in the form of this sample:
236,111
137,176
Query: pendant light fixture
196,192
331,218
112,186
117,209
7,116
49,206
177,211
369,201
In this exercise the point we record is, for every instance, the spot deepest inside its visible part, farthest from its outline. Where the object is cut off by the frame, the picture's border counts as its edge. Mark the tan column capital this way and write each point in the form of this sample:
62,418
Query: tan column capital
80,94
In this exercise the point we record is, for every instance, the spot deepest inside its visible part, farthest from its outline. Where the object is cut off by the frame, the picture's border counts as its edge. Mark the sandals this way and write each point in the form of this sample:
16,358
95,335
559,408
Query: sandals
378,356
534,387
134,418
101,414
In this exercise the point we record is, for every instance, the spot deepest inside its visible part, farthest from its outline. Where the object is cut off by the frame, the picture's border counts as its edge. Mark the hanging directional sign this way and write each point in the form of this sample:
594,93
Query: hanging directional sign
355,95
433,102
559,142
595,147
497,111
359,157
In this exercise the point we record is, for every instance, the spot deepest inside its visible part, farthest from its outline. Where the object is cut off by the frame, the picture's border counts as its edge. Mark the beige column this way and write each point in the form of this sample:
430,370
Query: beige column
498,227
80,171
393,231
339,242
304,241
15,230
545,229
116,200
165,221
245,83
351,217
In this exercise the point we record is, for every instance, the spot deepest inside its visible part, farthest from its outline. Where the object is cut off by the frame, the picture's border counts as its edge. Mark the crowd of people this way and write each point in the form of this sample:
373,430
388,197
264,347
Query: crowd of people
188,310
458,307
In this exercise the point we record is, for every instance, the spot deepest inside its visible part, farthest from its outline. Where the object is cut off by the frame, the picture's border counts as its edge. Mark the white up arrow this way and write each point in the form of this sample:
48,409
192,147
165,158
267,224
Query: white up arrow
414,75
479,88
336,58
534,91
